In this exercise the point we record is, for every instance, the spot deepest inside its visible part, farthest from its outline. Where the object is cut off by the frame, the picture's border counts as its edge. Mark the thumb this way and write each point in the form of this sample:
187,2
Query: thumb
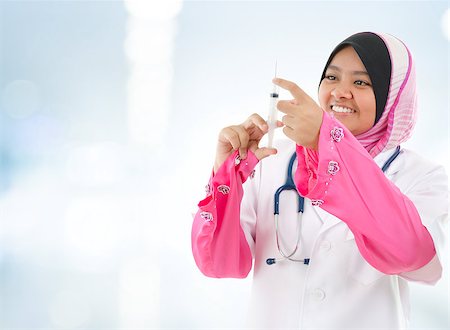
264,152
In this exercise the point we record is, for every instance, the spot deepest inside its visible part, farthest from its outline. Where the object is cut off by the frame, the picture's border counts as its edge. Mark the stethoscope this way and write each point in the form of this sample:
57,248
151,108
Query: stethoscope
290,185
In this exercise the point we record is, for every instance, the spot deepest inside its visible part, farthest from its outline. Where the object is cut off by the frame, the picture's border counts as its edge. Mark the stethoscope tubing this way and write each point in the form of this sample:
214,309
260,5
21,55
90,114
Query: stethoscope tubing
290,185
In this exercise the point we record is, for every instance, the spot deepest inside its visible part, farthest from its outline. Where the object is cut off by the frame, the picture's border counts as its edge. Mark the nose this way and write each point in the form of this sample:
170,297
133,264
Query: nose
341,91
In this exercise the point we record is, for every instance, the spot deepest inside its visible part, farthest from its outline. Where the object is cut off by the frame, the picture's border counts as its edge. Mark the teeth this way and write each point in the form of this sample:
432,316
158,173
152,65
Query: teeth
337,108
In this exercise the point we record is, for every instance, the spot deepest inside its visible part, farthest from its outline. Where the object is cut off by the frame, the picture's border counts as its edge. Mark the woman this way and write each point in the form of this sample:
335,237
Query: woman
365,231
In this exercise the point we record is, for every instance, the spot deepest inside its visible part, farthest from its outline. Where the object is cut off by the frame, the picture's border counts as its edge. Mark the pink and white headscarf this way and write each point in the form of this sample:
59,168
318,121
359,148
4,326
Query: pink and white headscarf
400,113
391,70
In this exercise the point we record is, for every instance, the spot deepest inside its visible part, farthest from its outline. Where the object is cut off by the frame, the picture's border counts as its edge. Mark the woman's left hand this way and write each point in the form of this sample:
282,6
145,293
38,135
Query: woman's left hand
303,116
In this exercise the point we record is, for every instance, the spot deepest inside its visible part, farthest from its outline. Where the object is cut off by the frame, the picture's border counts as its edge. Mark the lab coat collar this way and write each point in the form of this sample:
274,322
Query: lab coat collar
382,157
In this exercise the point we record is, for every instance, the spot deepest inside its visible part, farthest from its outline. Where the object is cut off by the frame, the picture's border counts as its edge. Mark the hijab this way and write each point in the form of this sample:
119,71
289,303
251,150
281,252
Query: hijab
391,70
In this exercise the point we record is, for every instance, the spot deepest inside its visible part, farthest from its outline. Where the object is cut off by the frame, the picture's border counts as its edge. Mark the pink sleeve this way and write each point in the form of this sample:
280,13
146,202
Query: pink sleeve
344,180
219,245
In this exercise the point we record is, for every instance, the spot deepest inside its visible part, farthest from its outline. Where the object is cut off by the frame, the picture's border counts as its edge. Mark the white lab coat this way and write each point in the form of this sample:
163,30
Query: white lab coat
338,289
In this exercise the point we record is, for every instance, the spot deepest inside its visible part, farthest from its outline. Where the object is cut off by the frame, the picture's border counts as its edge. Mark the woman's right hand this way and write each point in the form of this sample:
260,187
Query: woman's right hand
243,137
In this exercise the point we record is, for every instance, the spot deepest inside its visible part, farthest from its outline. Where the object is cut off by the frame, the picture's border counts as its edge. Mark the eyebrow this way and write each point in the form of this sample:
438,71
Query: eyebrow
334,67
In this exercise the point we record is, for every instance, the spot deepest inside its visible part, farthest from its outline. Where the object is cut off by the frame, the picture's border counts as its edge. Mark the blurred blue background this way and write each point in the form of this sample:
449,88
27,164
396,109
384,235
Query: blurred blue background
109,112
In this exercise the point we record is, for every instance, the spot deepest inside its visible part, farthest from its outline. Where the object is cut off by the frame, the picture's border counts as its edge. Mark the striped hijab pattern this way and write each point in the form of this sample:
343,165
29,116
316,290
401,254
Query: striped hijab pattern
400,113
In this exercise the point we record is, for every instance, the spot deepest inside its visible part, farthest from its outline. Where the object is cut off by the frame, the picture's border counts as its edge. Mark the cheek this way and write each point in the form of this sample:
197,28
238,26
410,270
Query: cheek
323,96
370,106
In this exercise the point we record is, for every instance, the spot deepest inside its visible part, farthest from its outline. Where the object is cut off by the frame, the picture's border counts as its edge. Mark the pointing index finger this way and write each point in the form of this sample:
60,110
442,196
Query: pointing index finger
290,86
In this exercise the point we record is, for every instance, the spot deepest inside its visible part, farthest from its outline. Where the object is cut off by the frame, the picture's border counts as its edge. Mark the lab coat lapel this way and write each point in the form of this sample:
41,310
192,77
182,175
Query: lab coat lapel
328,219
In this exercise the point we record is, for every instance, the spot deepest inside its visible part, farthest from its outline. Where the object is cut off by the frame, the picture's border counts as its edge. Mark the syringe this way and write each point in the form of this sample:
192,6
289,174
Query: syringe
273,111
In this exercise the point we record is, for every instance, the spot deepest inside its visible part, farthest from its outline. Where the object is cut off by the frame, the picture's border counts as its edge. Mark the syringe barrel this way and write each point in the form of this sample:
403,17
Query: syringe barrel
272,120
273,110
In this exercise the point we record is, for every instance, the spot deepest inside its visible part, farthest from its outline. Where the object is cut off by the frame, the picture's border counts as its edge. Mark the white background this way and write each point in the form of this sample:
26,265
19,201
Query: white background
108,121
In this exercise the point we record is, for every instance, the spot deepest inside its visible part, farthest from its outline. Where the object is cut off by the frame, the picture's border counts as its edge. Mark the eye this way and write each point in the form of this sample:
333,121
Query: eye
330,77
361,83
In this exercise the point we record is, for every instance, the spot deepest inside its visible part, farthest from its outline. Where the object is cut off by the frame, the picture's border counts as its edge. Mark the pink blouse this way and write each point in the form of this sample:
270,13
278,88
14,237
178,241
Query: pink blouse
341,178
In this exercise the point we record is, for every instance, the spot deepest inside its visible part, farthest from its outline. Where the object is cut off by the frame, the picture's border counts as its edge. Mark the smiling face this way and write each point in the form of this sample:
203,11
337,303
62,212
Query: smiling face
346,91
